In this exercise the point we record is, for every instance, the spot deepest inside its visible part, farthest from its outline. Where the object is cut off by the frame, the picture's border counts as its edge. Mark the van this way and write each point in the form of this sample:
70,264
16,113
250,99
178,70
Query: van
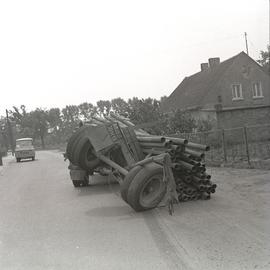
24,149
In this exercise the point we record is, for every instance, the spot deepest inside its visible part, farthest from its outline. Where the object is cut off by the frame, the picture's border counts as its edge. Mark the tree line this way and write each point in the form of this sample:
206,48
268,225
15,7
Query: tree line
55,125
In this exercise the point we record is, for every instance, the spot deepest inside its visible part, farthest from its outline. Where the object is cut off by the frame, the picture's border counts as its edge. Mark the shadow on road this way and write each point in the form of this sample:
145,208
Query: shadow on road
109,211
97,189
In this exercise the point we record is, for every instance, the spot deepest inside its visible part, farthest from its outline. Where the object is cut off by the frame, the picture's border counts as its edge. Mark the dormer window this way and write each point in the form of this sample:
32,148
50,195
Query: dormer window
237,93
257,90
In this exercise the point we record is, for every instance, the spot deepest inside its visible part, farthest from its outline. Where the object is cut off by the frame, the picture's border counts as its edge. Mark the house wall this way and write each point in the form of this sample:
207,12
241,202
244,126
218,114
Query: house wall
227,119
244,71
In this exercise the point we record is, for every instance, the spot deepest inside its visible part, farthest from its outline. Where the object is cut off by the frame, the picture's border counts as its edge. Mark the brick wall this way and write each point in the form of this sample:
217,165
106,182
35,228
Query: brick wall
248,116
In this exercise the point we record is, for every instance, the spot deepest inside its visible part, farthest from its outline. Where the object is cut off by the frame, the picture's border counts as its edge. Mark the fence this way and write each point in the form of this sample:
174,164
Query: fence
249,143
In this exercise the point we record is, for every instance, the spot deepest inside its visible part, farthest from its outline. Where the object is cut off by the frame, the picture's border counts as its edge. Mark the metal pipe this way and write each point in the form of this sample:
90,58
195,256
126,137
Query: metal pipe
198,146
112,164
182,164
197,180
158,158
194,153
187,179
152,151
178,140
151,139
122,120
153,145
188,160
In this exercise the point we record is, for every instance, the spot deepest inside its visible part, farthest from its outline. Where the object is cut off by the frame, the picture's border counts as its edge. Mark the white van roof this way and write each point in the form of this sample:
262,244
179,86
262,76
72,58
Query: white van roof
24,139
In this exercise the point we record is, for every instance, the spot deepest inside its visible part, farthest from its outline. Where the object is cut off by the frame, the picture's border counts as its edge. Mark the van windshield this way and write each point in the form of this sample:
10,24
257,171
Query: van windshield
21,144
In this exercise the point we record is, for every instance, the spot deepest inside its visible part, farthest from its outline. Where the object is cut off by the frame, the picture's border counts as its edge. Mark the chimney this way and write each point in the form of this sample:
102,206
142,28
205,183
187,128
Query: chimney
213,62
204,66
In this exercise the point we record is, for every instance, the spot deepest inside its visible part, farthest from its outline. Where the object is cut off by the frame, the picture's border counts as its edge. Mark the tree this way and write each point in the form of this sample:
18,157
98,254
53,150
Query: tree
17,114
142,111
70,114
39,119
181,122
23,121
87,110
120,106
265,59
104,107
54,119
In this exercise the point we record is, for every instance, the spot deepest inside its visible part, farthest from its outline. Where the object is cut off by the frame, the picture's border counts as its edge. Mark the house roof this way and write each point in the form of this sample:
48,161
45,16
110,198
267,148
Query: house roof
190,93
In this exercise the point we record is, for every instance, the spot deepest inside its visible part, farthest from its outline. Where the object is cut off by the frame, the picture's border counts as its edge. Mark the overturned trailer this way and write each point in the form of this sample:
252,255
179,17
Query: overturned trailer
148,168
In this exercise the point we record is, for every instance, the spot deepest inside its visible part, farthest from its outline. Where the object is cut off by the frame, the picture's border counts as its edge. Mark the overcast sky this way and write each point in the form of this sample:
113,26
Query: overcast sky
55,53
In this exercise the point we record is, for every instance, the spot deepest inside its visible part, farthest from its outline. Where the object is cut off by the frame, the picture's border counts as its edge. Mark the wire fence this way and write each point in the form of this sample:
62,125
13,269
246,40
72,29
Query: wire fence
249,143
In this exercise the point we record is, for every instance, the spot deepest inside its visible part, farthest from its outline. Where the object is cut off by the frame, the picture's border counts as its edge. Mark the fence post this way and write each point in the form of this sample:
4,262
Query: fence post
224,145
246,143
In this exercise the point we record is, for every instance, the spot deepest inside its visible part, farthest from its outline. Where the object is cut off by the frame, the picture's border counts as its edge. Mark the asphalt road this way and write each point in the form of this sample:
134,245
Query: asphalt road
46,223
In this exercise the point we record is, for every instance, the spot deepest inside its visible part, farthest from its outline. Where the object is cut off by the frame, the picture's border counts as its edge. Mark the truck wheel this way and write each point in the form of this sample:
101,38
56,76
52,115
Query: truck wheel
18,159
127,180
147,188
33,158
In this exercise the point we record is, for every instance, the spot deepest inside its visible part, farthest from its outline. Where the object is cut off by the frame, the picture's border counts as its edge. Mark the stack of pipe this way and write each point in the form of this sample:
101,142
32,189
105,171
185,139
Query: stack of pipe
188,166
189,170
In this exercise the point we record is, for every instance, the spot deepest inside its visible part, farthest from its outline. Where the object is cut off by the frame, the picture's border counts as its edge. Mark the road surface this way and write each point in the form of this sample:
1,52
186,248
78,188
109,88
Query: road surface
46,223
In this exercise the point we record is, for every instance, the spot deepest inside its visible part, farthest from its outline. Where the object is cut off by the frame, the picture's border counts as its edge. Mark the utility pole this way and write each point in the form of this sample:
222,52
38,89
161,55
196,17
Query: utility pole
11,138
246,42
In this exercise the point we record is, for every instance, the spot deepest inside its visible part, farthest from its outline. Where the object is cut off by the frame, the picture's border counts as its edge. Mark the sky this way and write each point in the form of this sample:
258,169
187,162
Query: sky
57,53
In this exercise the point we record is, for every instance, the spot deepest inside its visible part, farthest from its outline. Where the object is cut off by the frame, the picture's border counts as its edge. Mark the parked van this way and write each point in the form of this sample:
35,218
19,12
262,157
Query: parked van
24,149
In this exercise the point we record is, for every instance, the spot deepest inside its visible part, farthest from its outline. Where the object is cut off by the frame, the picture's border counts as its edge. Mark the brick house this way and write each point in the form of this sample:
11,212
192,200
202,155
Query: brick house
232,93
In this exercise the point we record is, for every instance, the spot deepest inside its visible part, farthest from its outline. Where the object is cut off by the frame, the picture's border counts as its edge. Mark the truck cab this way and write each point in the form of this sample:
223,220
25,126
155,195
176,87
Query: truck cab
24,149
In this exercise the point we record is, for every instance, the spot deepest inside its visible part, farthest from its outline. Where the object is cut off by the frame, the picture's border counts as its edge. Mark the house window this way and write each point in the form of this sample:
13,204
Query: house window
237,91
257,90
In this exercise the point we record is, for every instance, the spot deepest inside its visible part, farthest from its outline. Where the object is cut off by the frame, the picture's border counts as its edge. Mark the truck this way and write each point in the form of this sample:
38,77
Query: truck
149,168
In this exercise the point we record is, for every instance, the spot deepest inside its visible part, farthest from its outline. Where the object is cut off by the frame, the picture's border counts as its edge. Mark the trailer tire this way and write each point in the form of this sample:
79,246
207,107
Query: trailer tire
127,181
81,136
147,188
87,161
72,140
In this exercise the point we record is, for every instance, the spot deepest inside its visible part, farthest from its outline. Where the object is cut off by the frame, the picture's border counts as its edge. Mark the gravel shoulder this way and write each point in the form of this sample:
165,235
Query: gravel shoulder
230,231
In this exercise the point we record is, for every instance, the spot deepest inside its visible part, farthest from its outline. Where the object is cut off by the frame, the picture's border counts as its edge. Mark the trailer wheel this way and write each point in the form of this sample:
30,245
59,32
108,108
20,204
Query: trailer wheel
147,188
127,180
18,159
87,160
72,140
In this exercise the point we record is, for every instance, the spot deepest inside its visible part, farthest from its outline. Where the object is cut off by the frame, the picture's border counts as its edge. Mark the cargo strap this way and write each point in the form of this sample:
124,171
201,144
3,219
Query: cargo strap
168,178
